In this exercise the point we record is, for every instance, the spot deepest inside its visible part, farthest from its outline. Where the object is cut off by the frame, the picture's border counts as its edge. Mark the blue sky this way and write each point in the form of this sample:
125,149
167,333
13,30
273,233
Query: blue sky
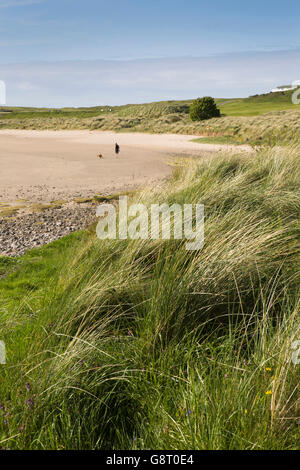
73,52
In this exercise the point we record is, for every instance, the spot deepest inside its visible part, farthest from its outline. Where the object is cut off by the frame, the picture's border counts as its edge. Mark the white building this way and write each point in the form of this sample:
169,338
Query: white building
284,88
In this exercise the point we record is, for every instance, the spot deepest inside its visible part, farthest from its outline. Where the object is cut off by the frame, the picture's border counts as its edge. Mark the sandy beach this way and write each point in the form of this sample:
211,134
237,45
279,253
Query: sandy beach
42,166
62,168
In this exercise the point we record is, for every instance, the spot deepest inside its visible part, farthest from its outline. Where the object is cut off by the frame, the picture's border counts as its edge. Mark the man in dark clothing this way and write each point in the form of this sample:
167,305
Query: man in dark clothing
117,149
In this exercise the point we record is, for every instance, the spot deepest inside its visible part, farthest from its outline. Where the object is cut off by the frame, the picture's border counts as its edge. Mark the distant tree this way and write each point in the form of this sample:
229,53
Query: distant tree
204,108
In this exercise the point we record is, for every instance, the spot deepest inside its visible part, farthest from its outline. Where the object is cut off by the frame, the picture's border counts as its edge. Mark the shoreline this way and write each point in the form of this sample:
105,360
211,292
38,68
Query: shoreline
47,175
44,166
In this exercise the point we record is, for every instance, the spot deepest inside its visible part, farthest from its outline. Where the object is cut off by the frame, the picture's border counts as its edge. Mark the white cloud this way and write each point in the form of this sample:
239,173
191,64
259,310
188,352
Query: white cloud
88,83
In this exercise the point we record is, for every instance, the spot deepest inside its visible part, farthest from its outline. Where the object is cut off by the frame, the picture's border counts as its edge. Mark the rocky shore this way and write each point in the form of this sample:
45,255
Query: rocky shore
26,231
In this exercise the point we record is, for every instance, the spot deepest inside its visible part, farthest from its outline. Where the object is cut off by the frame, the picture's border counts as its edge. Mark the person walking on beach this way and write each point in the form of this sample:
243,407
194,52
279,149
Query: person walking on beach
117,149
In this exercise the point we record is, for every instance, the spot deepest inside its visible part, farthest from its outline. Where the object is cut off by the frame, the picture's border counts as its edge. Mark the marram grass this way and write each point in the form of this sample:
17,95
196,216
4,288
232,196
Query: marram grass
260,120
142,344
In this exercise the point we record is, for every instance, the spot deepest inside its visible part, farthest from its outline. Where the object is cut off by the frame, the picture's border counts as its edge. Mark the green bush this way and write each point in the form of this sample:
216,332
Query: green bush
204,108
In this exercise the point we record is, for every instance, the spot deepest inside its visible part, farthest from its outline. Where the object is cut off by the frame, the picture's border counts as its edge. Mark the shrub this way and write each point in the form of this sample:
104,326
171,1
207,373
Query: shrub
204,108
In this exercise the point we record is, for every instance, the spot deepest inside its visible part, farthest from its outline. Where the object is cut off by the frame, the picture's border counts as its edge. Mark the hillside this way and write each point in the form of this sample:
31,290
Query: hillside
252,105
257,119
258,104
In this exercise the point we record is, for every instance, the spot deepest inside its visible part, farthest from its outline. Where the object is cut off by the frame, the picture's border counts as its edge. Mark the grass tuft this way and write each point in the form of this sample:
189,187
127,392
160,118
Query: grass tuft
142,344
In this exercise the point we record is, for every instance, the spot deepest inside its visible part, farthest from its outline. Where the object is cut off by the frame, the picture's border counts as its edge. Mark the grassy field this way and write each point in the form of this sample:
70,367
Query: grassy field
259,104
142,344
264,119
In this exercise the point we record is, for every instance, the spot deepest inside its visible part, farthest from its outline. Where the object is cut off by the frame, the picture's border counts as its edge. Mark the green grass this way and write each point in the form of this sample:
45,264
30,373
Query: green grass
41,113
259,104
220,140
267,119
28,273
251,106
142,344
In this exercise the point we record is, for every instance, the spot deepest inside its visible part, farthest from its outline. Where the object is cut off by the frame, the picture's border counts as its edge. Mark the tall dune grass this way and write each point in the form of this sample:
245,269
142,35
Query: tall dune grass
280,126
142,344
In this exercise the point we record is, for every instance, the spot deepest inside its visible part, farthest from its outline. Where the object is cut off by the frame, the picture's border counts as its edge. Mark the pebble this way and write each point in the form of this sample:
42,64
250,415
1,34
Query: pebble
20,234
